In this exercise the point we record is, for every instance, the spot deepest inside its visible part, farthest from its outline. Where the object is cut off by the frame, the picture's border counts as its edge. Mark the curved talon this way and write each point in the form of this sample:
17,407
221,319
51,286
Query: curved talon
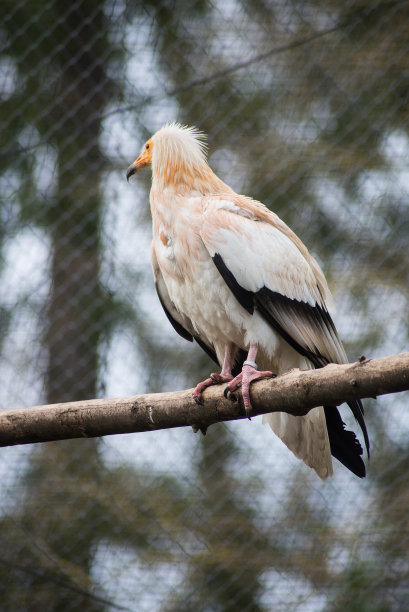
214,379
229,394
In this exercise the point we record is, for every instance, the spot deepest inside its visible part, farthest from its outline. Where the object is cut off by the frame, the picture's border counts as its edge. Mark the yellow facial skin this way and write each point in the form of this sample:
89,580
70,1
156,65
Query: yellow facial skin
143,161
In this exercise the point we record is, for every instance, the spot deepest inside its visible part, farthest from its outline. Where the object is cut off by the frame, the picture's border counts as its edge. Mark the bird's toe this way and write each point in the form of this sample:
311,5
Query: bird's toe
228,394
216,378
198,399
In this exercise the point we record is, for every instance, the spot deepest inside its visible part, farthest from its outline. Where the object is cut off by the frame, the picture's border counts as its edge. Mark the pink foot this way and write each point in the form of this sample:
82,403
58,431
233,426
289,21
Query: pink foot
247,375
214,379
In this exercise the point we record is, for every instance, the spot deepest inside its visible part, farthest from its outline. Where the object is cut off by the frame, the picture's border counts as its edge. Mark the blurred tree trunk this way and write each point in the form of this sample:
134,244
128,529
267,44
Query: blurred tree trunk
73,318
75,51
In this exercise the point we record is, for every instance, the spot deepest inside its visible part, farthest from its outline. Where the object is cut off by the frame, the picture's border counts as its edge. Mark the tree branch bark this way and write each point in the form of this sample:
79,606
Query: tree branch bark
295,392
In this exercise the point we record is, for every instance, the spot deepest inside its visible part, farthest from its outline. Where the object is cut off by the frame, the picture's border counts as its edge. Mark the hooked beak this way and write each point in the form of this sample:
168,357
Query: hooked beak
144,160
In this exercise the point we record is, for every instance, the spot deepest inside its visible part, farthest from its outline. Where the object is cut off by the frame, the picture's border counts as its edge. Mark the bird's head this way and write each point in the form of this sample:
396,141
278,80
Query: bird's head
177,155
143,161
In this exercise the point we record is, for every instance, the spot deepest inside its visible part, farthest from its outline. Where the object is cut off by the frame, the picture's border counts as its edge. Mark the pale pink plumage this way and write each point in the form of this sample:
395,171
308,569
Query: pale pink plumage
230,274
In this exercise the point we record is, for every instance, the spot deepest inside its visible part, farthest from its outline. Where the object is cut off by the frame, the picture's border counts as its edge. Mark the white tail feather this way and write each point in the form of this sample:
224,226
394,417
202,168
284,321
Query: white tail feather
306,436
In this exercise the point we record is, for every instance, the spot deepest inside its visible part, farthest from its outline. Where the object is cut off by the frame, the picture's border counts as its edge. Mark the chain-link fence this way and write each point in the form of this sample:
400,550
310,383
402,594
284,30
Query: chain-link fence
306,107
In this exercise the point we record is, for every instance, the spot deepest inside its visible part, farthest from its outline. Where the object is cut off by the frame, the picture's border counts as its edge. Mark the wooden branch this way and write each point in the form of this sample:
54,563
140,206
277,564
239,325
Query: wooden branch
295,392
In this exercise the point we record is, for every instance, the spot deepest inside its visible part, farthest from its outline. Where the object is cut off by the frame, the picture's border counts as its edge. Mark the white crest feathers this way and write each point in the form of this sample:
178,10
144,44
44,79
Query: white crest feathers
185,144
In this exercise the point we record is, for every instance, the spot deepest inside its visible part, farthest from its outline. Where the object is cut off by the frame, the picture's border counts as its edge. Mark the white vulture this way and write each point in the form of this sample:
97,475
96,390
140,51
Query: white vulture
234,277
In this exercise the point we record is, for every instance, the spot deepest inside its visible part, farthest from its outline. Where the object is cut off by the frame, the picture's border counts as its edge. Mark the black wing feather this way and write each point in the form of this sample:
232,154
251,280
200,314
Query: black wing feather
344,444
272,306
178,327
209,351
244,297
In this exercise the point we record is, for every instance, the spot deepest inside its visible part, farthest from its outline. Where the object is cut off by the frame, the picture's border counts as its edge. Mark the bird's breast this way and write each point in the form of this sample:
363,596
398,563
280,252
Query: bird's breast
194,283
176,234
164,245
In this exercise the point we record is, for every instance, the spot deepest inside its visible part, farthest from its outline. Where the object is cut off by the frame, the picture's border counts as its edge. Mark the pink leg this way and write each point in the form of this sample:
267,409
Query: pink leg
246,377
216,379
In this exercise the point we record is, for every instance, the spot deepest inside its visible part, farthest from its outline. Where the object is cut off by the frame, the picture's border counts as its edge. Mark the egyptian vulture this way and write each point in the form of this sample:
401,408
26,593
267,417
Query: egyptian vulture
231,275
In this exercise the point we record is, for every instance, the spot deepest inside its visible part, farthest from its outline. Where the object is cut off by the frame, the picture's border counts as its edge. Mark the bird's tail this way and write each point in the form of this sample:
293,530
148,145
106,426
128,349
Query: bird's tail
306,436
345,446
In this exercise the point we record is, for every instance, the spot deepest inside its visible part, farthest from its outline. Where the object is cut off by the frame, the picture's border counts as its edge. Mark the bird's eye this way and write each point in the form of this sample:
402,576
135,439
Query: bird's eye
147,146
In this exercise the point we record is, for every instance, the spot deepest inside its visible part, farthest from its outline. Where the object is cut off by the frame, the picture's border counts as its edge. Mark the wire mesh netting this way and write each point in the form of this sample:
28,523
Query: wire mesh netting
306,108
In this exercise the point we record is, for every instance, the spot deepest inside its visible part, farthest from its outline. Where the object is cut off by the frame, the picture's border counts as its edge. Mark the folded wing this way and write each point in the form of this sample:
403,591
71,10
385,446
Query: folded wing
267,271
